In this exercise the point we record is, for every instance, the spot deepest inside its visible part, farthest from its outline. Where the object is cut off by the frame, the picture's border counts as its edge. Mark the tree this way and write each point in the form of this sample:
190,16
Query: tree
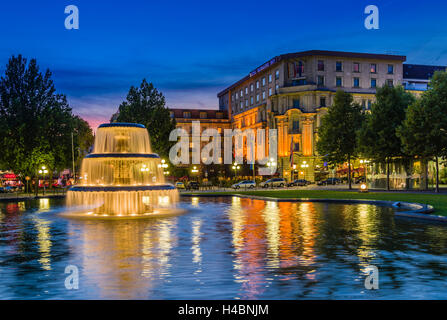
337,133
35,122
377,137
424,130
146,105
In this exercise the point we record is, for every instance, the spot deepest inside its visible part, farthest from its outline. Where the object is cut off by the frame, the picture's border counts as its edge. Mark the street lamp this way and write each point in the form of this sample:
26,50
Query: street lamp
271,164
43,171
235,167
304,166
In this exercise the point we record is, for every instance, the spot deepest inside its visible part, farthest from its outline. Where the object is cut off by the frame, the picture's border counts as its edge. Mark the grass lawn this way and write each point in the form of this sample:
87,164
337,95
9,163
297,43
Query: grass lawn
438,201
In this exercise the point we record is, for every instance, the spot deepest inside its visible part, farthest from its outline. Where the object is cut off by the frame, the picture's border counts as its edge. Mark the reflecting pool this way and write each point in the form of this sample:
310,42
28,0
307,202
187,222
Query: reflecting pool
223,248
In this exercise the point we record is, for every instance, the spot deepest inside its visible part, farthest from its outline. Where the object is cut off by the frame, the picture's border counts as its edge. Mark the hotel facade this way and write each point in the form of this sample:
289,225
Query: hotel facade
292,92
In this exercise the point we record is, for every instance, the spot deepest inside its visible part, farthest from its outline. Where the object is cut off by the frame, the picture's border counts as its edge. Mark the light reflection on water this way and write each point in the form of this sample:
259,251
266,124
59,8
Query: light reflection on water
224,248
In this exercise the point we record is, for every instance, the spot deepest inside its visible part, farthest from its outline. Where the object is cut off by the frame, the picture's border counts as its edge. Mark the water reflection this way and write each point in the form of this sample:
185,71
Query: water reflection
222,249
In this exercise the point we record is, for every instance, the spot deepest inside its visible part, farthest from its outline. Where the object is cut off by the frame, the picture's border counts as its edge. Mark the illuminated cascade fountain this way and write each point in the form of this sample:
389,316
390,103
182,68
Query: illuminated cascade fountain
121,177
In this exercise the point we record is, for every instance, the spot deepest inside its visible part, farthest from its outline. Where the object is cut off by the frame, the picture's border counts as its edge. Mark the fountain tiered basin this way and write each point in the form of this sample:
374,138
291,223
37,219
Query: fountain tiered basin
122,177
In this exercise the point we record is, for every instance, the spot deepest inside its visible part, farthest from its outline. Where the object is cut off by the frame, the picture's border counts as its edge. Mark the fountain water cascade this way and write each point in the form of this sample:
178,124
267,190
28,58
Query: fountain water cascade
122,177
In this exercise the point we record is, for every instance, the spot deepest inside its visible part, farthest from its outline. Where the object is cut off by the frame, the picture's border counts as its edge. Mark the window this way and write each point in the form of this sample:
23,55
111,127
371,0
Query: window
389,82
263,81
373,83
296,126
390,69
202,115
356,82
320,65
270,78
257,98
338,66
263,95
277,74
373,68
171,114
246,90
219,115
186,114
356,67
320,80
251,101
322,102
270,91
296,103
369,104
257,84
277,88
338,82
242,93
252,87
237,95
246,102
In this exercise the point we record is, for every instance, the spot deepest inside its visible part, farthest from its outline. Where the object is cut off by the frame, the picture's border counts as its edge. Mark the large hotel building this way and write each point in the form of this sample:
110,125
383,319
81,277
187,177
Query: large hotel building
291,93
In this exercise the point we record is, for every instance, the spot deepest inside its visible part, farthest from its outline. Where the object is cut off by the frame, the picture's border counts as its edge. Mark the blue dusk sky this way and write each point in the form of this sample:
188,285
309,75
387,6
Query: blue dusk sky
191,50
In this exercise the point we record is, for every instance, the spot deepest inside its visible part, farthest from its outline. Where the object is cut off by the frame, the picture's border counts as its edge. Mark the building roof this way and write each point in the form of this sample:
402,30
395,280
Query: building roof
419,71
195,113
327,53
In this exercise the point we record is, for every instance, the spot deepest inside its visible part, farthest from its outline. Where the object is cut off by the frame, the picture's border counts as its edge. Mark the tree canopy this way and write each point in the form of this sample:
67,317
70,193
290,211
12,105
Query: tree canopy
146,105
424,131
35,122
337,134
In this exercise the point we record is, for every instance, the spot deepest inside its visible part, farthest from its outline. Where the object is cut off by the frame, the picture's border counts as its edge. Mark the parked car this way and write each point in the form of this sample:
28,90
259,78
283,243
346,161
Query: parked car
298,183
245,184
275,182
193,185
180,185
330,181
359,180
6,189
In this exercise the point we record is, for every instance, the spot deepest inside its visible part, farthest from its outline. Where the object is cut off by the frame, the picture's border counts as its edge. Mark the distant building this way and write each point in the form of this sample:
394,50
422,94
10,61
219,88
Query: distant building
416,77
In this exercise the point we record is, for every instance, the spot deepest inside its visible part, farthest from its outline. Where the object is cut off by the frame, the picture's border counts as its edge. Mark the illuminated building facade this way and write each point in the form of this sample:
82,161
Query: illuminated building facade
291,93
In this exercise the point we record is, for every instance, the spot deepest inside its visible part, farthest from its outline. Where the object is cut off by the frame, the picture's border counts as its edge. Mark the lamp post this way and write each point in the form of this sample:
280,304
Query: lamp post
271,164
235,167
304,167
43,171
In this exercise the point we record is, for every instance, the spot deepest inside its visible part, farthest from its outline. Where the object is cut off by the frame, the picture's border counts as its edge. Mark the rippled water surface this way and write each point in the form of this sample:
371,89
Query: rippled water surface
223,248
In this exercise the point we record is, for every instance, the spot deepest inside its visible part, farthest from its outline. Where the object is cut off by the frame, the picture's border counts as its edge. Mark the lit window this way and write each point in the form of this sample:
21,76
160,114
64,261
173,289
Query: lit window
251,100
186,114
257,84
263,81
242,93
252,87
277,88
373,68
246,90
246,102
263,95
270,78
356,67
237,95
270,91
277,74
257,98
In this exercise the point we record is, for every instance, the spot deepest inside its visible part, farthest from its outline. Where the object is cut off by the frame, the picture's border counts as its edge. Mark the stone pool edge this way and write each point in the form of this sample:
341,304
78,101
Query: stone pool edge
412,209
